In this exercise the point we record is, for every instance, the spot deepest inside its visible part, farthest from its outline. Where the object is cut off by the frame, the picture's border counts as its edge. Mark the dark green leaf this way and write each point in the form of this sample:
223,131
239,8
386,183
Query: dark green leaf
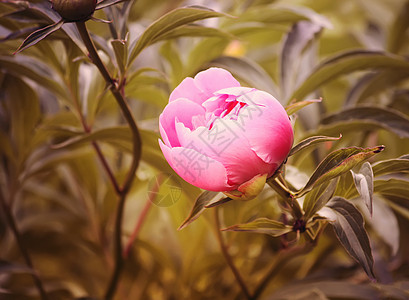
345,63
350,230
262,225
218,202
200,205
294,107
364,184
386,118
318,197
312,141
337,163
249,71
38,35
168,22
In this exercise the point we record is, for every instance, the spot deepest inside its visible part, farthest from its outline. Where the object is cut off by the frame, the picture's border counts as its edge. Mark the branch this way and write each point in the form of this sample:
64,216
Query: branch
136,155
17,235
228,258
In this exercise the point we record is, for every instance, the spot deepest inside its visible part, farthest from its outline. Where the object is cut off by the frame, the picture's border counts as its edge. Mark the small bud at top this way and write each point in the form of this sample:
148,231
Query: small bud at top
74,10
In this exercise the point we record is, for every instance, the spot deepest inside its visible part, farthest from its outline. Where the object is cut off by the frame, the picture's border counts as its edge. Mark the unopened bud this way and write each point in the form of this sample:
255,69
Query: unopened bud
74,10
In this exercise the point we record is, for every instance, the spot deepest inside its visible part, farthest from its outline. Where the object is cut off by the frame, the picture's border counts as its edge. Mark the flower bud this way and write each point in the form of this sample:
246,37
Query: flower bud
74,10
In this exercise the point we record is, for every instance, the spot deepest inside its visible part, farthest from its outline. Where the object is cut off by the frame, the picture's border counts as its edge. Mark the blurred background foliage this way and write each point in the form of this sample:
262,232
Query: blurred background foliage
352,53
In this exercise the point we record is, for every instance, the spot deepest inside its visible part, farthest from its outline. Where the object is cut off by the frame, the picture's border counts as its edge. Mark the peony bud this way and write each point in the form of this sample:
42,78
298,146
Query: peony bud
222,137
74,10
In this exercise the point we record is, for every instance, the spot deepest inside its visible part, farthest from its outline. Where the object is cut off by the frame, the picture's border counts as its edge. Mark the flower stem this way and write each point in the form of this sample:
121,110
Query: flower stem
283,257
287,195
17,235
227,256
136,155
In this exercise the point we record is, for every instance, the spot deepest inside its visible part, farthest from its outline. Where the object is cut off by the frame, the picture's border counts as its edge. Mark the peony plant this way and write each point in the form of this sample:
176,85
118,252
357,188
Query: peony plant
220,136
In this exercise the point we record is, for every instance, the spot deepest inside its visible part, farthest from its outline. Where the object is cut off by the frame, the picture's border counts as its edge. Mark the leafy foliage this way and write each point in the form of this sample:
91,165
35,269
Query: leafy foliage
65,141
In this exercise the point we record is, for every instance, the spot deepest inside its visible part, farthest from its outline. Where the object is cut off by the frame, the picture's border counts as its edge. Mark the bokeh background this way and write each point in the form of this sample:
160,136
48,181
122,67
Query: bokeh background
352,53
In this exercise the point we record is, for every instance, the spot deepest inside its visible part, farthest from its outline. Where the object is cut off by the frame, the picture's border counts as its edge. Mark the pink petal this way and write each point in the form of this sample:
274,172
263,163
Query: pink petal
226,143
196,168
187,89
181,109
214,79
268,128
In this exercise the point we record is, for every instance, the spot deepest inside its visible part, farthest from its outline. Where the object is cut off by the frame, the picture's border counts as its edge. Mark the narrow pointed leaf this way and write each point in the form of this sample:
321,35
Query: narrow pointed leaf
337,163
38,35
294,107
364,184
312,141
218,202
200,205
350,230
168,22
121,53
345,63
262,225
389,166
387,118
318,197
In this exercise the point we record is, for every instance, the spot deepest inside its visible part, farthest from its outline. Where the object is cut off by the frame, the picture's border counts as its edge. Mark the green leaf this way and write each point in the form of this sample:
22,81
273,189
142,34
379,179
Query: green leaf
200,205
373,84
296,41
337,163
350,230
346,63
119,136
312,141
318,197
262,225
105,3
397,32
389,166
364,184
294,107
394,188
386,118
218,202
168,22
283,14
193,30
121,53
25,66
38,35
384,222
249,71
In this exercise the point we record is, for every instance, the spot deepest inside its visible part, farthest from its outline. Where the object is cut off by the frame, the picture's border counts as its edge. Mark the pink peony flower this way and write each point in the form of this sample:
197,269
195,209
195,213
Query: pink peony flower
220,136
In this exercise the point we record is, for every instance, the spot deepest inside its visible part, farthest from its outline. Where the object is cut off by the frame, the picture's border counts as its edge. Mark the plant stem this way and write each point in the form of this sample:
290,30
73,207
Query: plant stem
227,256
136,155
17,235
287,195
283,257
